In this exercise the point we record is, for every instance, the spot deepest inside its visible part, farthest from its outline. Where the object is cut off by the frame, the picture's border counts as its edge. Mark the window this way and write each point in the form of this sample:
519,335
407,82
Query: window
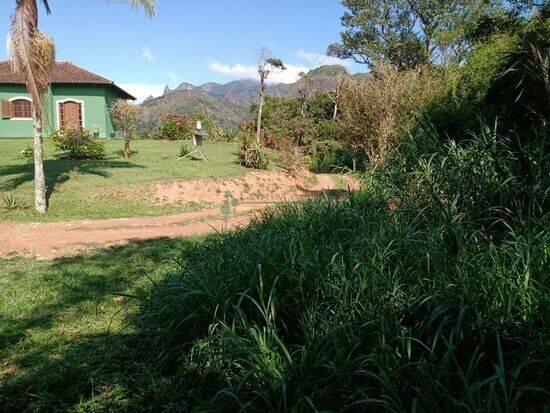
21,109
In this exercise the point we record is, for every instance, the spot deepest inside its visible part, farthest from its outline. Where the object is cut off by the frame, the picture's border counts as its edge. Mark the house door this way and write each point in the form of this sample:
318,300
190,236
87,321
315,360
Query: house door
70,115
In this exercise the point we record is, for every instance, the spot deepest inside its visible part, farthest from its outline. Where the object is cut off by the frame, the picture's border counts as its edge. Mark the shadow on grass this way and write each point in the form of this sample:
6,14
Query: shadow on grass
58,171
66,352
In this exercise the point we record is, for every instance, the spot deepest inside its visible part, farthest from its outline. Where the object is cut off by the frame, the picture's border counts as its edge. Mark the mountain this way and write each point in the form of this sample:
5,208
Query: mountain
224,114
229,103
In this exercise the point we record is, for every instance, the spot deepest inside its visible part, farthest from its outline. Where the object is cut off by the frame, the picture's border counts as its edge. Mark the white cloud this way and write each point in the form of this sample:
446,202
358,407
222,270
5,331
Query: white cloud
142,91
318,59
148,54
239,71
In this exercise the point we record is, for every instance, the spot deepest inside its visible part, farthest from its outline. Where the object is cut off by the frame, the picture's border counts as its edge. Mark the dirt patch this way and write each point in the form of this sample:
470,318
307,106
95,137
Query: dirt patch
60,239
255,191
255,186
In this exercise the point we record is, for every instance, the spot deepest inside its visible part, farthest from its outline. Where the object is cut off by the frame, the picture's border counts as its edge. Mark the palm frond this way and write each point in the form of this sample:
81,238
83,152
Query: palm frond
148,6
46,6
32,52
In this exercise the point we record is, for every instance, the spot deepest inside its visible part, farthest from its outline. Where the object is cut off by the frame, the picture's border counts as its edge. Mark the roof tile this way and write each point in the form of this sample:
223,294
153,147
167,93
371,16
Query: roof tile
62,73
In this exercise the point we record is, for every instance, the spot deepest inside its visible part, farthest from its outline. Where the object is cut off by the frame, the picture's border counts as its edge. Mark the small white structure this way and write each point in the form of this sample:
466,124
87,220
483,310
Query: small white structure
198,142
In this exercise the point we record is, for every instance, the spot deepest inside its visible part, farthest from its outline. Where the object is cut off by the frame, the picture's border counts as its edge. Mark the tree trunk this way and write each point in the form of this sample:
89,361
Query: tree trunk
39,178
126,147
335,113
260,112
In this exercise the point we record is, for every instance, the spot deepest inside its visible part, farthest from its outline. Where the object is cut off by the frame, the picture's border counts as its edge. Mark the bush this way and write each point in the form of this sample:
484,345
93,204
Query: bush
376,111
174,126
404,296
330,156
251,155
78,144
28,152
10,202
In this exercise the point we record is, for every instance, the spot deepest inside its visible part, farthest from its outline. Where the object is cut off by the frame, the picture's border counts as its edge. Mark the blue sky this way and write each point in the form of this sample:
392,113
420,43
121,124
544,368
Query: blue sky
189,40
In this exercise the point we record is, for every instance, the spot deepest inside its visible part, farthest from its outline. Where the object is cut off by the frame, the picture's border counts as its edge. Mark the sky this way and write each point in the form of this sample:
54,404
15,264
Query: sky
189,40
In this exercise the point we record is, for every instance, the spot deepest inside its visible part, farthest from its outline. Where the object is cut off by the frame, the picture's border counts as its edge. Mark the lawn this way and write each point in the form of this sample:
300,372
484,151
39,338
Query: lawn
110,188
63,337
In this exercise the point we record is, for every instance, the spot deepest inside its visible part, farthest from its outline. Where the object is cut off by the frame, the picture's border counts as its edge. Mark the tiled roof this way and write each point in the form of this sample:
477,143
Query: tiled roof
62,73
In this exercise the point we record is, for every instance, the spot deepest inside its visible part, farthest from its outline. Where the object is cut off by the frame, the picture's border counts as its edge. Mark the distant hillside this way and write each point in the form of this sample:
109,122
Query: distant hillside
224,114
229,103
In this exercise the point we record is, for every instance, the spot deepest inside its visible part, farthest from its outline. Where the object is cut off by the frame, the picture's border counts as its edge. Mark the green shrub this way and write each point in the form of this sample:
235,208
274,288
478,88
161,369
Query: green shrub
330,156
78,144
251,155
28,152
170,131
10,202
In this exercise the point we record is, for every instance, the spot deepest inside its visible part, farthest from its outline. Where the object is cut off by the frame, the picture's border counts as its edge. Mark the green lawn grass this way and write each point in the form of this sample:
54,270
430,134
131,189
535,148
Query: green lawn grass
64,341
110,188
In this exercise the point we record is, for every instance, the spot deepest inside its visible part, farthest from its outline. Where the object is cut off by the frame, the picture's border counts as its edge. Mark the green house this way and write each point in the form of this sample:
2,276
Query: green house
77,99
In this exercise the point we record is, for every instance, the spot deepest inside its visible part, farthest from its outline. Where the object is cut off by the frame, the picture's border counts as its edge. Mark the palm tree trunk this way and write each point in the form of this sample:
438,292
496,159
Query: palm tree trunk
39,178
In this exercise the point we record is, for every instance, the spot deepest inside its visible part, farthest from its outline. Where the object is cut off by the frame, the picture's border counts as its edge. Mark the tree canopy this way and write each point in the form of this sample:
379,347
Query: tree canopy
406,33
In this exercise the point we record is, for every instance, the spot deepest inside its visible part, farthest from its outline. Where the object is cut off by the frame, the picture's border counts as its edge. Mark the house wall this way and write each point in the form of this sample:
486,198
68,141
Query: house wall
20,128
96,102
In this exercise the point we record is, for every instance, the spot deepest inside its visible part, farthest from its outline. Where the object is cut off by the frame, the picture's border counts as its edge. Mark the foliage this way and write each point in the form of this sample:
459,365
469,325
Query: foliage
174,126
251,155
427,290
375,111
527,70
11,202
77,144
331,156
126,118
283,121
460,105
28,152
406,33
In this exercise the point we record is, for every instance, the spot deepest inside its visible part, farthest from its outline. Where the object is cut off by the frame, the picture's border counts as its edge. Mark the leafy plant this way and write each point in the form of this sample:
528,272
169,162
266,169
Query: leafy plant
78,144
175,126
10,202
28,152
251,155
126,117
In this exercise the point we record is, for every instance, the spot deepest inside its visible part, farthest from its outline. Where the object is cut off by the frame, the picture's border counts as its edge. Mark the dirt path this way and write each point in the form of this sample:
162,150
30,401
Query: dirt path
255,191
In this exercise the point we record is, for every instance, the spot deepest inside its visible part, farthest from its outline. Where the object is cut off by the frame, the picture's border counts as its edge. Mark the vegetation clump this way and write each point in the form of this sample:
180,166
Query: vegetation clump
251,155
424,290
78,144
127,118
28,152
173,127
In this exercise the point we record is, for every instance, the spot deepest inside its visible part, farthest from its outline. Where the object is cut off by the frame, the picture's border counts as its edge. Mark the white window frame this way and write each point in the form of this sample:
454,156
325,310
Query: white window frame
21,98
58,114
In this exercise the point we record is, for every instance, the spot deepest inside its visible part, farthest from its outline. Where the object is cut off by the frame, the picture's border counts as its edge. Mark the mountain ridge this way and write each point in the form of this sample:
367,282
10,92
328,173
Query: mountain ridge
229,103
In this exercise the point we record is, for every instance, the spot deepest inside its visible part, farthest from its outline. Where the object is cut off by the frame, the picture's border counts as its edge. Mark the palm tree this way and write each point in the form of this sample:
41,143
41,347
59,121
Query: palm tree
33,54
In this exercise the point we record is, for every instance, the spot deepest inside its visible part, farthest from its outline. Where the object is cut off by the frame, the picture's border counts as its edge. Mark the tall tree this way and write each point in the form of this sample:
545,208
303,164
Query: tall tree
266,65
405,33
32,53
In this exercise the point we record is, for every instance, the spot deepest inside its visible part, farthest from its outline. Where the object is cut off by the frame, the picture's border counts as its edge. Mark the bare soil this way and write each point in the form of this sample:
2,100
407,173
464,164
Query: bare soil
254,191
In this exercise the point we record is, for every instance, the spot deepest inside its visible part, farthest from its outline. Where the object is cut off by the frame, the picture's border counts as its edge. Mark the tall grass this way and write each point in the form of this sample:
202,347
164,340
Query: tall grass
427,291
